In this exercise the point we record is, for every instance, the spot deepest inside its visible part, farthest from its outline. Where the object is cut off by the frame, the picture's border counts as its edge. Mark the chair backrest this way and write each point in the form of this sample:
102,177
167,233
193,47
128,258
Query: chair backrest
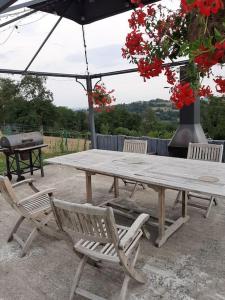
135,146
209,152
7,191
86,221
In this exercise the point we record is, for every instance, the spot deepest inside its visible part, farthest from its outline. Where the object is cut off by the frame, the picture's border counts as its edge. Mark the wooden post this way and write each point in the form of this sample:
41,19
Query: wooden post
91,118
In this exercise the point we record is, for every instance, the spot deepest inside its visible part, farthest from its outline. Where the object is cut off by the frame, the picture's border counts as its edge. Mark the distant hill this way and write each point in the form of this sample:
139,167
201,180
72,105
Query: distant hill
162,108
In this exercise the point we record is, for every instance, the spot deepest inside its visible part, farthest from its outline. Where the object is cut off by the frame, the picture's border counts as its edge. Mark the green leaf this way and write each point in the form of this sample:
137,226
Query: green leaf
218,35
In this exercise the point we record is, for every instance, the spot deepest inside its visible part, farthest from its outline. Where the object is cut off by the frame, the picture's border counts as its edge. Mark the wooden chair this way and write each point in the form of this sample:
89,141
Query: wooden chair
207,152
101,240
36,209
133,146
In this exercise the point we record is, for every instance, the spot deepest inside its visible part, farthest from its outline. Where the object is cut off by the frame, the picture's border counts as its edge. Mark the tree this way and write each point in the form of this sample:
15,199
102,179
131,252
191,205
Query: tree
33,88
149,121
213,117
26,102
9,94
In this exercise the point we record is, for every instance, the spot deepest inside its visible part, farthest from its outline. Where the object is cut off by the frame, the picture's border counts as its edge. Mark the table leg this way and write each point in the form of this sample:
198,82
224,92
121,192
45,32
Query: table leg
161,215
165,233
116,186
184,204
88,187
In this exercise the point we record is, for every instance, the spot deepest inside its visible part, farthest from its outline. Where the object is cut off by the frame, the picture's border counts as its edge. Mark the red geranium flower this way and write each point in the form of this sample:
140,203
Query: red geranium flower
205,91
220,84
150,69
209,58
182,94
171,76
133,43
208,7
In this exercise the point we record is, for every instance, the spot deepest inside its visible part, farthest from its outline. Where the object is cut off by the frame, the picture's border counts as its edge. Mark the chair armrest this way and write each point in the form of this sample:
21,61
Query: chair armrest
37,195
28,181
133,230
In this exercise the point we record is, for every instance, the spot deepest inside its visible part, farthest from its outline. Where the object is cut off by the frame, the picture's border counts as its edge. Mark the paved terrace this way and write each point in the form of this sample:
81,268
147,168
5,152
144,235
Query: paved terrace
191,265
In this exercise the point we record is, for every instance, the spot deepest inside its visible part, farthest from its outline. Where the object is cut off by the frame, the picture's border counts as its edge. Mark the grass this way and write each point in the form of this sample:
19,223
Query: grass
56,146
2,163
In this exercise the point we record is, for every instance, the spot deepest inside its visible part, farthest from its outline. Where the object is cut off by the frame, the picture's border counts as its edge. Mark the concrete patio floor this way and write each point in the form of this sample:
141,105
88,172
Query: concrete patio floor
191,265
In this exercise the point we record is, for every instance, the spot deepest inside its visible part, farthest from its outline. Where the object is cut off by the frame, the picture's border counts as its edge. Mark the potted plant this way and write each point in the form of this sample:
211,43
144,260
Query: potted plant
101,98
158,35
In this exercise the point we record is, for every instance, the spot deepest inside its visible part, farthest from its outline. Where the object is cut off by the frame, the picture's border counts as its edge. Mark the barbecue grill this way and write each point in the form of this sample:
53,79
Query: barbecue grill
23,153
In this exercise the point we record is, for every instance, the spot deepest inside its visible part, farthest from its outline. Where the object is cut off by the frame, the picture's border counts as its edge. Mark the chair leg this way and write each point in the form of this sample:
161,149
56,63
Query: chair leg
28,242
124,288
78,276
146,232
177,200
124,181
134,189
209,207
215,201
143,186
131,273
38,226
15,228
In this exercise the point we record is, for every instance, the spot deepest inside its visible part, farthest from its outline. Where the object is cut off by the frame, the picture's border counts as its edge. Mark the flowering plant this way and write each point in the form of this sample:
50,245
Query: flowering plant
101,98
196,31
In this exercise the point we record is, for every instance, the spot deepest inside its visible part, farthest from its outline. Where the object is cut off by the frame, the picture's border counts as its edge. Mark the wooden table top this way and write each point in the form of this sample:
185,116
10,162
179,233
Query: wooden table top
169,172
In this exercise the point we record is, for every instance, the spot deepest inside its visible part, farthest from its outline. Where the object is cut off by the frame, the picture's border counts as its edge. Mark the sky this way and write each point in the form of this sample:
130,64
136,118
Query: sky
64,53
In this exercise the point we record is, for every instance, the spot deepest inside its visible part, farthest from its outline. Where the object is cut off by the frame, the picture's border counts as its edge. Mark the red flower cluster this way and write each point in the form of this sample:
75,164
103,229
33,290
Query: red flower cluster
182,94
208,58
149,69
138,18
133,44
101,98
135,2
220,84
205,7
171,76
204,91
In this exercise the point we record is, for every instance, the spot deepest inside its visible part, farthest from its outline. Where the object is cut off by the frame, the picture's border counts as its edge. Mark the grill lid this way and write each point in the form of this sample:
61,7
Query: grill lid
21,140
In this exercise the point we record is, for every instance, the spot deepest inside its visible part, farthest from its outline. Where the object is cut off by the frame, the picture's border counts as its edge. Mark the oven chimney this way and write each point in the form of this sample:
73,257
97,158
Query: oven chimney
190,129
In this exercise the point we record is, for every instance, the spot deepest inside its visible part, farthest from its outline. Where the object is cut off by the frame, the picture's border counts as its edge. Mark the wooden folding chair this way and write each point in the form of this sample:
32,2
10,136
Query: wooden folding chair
101,240
133,146
207,152
35,208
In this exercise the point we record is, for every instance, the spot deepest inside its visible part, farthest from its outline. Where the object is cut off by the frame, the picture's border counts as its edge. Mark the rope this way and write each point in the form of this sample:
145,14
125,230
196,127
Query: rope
85,50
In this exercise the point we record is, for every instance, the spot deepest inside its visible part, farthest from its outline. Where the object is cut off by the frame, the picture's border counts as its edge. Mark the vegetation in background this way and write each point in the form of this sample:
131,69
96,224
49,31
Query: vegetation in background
29,104
213,117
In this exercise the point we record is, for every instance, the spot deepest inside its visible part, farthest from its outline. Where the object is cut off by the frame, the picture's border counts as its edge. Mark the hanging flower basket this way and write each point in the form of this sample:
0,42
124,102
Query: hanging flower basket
102,99
159,35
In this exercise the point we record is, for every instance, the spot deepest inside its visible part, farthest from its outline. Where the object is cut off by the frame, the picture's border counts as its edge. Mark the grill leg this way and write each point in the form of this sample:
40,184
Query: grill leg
41,162
31,163
8,167
19,172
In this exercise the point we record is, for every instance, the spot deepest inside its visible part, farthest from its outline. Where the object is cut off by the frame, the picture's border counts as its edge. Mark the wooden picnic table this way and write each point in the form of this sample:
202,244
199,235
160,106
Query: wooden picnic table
159,172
